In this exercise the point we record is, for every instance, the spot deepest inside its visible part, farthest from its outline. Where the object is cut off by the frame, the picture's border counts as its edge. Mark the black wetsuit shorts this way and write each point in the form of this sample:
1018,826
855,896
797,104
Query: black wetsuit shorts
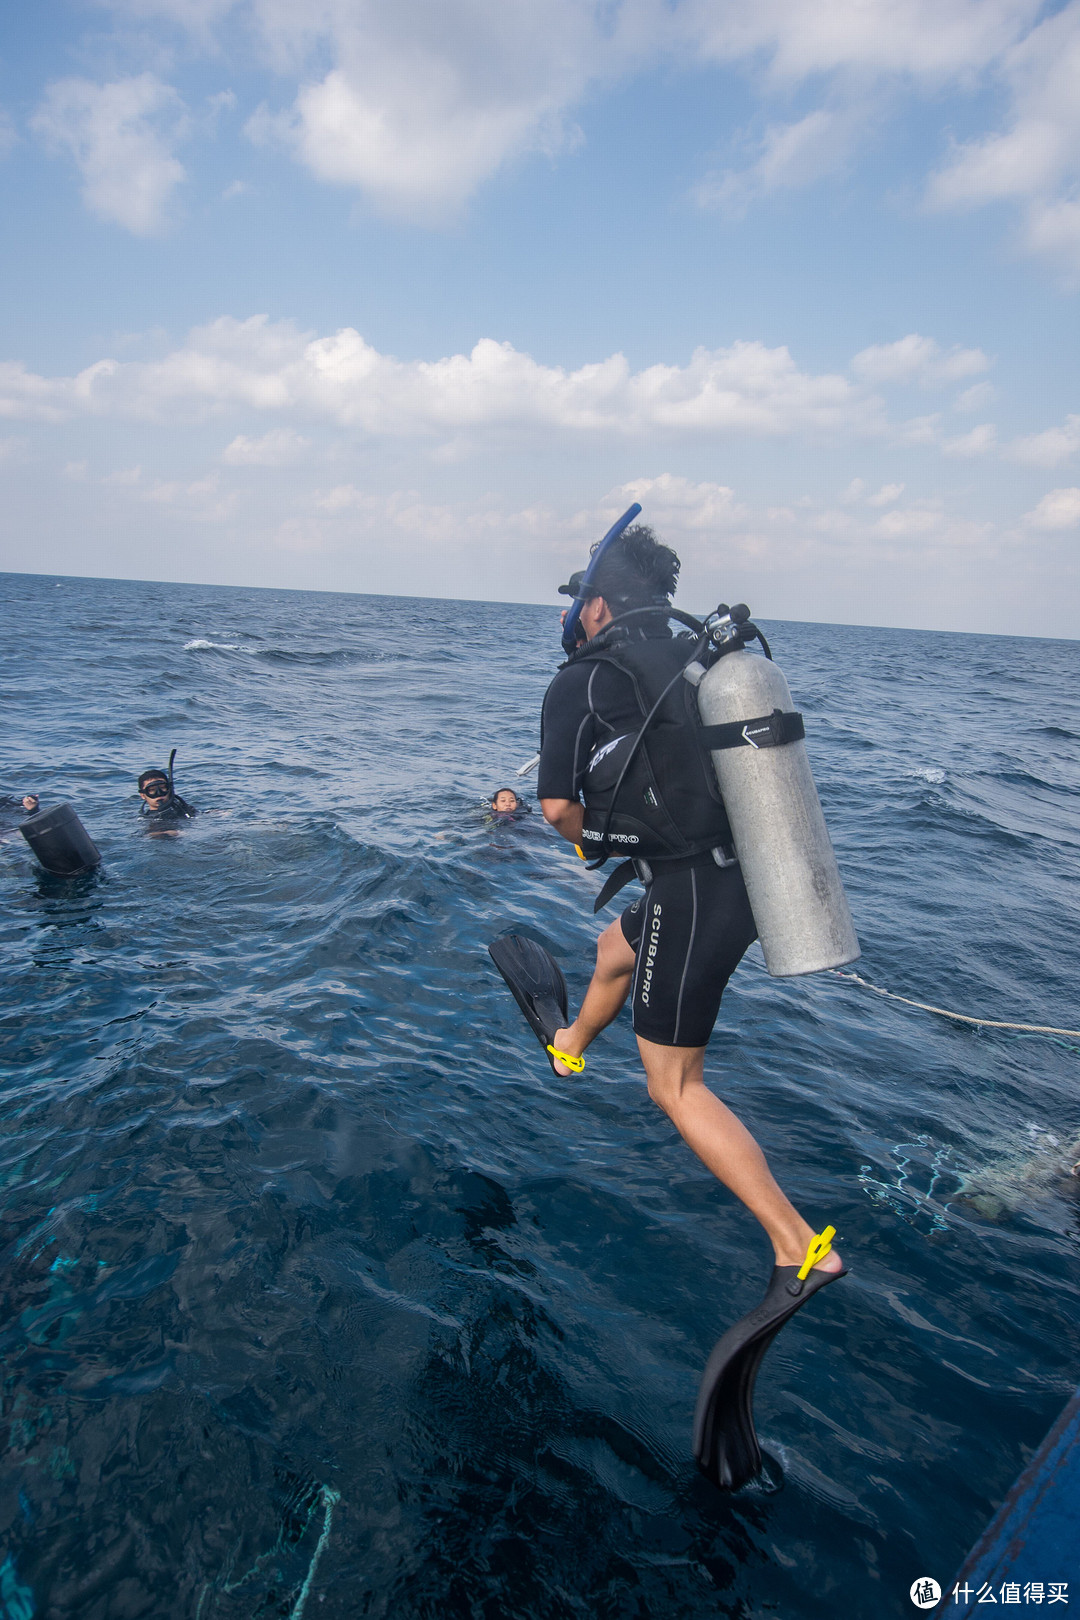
690,930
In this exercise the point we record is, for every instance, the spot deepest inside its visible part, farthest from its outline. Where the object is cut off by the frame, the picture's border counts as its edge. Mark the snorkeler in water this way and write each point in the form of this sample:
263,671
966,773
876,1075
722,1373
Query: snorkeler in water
507,806
161,803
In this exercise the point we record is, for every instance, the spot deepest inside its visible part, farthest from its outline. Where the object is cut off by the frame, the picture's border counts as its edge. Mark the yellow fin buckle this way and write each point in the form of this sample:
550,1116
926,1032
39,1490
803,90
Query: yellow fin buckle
575,1063
819,1248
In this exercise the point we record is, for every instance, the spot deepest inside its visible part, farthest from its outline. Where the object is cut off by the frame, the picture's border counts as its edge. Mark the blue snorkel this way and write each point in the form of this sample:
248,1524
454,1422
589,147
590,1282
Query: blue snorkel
573,614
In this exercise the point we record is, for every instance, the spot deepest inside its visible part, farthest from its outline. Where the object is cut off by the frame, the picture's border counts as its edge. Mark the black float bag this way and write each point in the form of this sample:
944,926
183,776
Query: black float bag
60,841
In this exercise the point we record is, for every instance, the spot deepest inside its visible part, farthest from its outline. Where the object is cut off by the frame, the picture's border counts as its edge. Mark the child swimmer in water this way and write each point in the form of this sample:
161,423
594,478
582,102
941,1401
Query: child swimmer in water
507,807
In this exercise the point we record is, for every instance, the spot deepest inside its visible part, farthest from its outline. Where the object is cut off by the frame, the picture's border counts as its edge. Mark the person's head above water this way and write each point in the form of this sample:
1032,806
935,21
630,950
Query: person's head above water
154,788
503,800
160,800
636,571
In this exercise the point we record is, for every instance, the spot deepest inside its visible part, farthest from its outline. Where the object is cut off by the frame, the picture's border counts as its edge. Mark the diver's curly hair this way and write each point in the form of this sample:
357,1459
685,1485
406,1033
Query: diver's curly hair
638,571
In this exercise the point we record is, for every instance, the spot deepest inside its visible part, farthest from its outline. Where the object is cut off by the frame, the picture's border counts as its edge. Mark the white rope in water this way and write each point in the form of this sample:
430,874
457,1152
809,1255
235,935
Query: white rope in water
963,1018
330,1500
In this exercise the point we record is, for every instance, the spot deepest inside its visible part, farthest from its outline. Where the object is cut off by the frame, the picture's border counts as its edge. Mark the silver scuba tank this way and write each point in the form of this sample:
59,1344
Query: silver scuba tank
791,876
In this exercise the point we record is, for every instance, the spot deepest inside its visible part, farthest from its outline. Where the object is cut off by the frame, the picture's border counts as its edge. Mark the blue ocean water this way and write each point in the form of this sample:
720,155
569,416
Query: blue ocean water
321,1296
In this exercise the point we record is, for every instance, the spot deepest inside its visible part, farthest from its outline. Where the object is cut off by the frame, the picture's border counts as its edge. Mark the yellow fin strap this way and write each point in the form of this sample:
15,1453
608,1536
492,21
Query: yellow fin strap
580,851
577,1064
821,1246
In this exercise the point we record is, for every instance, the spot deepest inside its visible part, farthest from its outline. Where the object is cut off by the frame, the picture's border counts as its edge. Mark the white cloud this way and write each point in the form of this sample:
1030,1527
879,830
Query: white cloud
196,16
423,103
724,542
1060,509
1048,449
856,56
975,398
1035,161
923,530
728,544
233,368
122,137
274,449
342,498
930,41
913,522
678,502
922,430
272,367
916,359
418,105
855,494
1040,147
979,442
1052,229
788,155
200,500
26,396
886,495
406,518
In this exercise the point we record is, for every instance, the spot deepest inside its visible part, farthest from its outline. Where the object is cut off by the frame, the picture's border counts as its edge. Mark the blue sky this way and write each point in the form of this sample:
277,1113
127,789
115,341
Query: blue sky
365,296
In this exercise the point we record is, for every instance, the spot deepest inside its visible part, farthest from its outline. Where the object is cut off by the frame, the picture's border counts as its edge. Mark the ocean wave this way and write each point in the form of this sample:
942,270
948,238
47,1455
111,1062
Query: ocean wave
297,1193
321,656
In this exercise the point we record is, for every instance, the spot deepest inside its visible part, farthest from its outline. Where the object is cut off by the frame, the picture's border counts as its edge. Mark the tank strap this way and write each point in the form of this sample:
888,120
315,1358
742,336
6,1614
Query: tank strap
768,731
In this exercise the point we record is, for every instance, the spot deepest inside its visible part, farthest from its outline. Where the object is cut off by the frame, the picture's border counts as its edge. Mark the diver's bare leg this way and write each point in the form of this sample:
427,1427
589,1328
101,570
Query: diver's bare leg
608,990
676,1076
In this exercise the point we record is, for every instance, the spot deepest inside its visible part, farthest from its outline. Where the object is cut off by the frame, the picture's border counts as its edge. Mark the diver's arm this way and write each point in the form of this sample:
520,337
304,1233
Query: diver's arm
567,816
566,735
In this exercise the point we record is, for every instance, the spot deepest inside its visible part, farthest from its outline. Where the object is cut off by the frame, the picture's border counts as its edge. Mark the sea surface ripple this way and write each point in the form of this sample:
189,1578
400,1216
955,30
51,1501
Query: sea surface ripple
320,1295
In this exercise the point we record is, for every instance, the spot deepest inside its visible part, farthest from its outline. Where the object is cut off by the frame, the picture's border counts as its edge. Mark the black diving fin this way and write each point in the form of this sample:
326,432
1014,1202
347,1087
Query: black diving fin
538,986
725,1442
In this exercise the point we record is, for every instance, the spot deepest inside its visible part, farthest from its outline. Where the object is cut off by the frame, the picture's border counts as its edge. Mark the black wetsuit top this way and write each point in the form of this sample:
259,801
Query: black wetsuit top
648,792
177,809
693,924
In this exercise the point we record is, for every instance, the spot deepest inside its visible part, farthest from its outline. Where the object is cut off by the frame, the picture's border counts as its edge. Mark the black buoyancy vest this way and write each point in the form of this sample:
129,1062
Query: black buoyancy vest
177,809
669,804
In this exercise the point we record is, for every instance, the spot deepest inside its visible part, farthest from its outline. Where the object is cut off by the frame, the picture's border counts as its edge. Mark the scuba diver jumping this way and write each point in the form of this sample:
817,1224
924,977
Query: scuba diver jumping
625,770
